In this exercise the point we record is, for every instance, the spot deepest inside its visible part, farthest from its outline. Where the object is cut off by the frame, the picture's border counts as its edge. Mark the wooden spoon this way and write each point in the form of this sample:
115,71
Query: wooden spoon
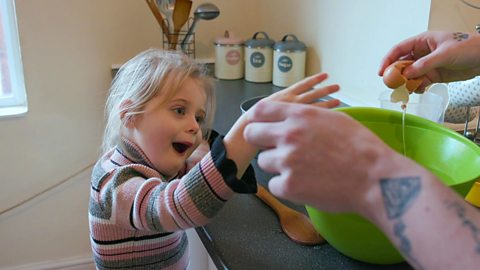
294,224
153,7
179,18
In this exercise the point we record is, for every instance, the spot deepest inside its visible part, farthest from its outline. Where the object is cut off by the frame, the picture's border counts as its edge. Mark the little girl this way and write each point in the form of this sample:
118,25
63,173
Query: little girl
143,196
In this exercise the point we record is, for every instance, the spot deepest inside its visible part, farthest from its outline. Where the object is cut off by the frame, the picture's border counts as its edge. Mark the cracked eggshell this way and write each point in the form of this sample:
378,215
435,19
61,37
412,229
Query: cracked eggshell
393,76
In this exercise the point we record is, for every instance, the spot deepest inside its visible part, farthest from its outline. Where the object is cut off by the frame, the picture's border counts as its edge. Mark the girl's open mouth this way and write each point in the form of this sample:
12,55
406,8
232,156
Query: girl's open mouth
181,147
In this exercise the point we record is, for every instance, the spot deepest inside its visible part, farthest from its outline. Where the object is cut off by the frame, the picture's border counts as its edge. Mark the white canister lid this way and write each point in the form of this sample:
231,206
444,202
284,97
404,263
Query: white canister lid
228,38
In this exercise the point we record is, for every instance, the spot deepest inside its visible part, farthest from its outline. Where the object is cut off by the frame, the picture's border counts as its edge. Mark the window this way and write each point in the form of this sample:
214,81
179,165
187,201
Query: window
13,99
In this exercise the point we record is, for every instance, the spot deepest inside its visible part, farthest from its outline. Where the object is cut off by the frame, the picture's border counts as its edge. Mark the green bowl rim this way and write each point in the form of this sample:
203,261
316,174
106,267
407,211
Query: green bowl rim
410,120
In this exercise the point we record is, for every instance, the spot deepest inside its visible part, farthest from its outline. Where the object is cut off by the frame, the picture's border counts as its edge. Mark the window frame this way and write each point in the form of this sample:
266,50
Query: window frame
15,103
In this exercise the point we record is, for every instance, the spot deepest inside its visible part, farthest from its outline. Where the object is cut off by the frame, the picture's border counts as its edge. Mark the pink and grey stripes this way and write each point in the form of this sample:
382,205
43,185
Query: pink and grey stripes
137,218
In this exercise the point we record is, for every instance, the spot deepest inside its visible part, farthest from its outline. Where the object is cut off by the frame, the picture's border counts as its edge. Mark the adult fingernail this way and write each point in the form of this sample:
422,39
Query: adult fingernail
407,72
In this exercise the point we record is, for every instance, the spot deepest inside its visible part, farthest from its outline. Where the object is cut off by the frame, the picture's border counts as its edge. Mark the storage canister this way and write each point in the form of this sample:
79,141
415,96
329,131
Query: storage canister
259,58
289,61
229,63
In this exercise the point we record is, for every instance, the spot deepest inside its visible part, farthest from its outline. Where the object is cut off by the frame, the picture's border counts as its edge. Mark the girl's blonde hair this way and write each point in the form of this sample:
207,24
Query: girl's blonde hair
143,77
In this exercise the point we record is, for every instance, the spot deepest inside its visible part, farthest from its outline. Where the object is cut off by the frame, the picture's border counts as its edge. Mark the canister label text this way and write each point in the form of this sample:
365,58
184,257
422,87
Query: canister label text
284,63
232,57
257,59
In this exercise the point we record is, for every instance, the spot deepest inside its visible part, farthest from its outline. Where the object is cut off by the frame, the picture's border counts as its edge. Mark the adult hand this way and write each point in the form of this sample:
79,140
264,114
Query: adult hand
304,91
439,56
317,155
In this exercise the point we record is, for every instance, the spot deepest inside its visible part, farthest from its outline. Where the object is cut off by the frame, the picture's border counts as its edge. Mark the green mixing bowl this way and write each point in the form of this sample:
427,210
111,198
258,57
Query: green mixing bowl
447,154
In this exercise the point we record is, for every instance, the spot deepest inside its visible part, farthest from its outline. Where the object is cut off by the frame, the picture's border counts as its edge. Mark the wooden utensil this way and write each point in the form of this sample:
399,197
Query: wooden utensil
294,224
154,8
179,18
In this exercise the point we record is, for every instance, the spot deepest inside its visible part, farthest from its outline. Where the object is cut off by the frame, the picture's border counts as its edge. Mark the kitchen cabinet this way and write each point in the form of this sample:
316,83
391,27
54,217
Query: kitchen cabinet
199,258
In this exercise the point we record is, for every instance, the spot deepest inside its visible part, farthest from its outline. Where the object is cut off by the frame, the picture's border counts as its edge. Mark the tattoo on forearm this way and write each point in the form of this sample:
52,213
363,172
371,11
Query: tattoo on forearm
466,222
399,230
398,195
459,36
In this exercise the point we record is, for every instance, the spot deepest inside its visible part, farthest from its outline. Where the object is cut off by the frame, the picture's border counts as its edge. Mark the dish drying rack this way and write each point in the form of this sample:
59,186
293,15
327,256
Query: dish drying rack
472,134
470,129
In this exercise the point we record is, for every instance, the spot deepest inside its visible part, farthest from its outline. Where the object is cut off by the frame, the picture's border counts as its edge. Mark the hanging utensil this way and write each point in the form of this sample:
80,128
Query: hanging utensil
166,8
153,7
205,11
294,224
179,18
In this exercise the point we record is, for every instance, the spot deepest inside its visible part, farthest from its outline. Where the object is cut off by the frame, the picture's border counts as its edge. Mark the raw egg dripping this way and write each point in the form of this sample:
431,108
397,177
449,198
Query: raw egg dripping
394,79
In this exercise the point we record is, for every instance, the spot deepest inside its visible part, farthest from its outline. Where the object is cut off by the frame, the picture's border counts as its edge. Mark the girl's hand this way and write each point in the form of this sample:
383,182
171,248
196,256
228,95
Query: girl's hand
304,92
197,155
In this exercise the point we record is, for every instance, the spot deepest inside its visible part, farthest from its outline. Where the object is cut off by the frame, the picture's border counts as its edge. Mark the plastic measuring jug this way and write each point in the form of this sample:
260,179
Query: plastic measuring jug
430,105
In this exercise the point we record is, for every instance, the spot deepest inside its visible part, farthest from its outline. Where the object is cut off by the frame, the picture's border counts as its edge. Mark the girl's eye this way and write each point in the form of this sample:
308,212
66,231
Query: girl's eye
200,119
180,111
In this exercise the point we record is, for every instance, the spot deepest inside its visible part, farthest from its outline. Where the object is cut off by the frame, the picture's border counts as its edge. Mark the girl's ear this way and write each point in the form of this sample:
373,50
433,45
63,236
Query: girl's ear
127,121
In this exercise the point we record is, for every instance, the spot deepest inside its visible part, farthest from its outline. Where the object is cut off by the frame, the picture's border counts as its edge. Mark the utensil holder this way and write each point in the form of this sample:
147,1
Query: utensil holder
173,41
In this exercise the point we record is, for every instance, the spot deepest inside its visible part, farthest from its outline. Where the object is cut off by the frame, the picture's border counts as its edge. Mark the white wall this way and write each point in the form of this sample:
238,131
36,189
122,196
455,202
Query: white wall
352,44
346,38
68,47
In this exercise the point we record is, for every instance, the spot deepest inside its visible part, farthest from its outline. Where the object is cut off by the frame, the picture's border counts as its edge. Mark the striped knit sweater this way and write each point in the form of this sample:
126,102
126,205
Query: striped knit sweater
137,218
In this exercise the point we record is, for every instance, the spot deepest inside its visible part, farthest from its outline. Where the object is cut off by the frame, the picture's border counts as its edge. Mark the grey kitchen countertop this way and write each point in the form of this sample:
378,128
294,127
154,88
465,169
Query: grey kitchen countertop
246,234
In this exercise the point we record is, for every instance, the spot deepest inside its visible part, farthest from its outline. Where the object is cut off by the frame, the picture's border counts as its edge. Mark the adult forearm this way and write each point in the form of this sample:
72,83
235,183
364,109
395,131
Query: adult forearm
427,221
